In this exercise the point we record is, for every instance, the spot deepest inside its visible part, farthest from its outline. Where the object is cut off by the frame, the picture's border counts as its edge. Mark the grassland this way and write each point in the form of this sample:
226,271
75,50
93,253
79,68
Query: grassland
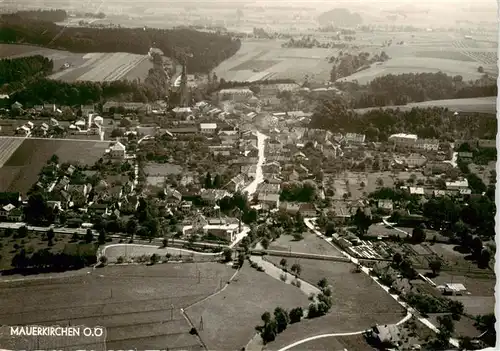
481,105
310,244
352,342
20,171
138,305
85,67
134,251
229,317
358,302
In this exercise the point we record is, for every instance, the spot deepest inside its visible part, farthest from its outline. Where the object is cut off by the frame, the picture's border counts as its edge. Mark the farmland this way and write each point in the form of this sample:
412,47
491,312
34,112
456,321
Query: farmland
138,305
85,67
351,342
358,302
229,317
129,252
419,52
266,59
20,171
7,147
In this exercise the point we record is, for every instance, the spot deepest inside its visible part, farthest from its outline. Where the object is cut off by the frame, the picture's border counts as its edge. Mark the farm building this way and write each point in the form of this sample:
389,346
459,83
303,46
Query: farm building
208,128
269,201
457,185
87,110
112,106
11,213
415,160
427,144
452,289
354,138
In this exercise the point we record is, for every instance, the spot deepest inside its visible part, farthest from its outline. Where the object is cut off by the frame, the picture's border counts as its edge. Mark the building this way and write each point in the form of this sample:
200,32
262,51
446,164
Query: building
11,213
208,128
269,201
457,185
237,183
436,167
117,151
354,138
236,95
86,110
307,210
402,139
113,106
385,205
427,144
386,335
415,160
224,231
453,289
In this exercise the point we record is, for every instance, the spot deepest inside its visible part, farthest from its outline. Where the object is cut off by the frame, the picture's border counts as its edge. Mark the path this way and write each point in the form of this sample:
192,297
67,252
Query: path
259,178
366,270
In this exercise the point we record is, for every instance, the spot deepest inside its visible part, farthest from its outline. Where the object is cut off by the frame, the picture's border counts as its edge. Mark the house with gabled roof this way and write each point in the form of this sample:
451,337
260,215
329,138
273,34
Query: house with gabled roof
117,150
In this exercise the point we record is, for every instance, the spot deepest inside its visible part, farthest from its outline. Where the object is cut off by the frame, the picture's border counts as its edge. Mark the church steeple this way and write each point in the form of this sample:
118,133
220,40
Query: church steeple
184,89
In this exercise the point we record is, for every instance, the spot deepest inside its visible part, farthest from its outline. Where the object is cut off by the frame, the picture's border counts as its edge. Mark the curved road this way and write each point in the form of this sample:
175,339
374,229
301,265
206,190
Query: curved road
366,270
259,178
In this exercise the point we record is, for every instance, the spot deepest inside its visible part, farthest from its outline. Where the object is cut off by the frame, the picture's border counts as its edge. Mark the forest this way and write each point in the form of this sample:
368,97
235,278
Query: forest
44,15
336,116
346,64
202,51
405,88
16,70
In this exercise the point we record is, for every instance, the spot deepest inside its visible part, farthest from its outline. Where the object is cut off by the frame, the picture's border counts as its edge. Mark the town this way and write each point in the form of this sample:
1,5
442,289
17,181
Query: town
271,203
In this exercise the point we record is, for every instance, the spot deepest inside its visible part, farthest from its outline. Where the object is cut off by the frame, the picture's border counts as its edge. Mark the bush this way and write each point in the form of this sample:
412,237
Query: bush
297,283
120,260
283,277
296,315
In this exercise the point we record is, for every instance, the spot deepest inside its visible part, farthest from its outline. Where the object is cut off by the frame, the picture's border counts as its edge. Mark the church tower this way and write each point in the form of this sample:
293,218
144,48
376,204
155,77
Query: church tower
183,88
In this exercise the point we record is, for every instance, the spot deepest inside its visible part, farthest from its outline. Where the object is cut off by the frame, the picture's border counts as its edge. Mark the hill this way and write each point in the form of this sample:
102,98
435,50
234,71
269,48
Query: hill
204,50
340,17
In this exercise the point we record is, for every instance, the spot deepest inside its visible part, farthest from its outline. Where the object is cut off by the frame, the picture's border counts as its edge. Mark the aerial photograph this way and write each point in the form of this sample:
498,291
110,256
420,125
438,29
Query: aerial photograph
248,175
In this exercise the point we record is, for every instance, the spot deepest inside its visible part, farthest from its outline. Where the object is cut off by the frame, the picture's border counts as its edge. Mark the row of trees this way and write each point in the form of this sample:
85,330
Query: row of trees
347,64
204,50
335,115
43,15
281,318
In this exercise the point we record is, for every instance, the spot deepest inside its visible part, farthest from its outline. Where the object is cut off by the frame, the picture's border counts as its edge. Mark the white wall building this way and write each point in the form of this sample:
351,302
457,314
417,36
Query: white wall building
117,151
403,139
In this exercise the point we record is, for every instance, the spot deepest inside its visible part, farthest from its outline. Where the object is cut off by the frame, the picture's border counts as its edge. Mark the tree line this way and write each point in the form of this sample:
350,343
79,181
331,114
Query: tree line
406,88
346,64
202,51
43,15
335,115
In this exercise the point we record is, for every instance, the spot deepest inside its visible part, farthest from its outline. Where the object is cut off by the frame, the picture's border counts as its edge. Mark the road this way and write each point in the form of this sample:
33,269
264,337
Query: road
59,139
259,178
366,270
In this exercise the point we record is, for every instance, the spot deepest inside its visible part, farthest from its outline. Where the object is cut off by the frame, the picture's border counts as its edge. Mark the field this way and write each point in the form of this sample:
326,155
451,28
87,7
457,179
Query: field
7,147
266,59
138,305
85,67
481,105
229,317
133,251
310,244
20,171
335,343
420,52
358,302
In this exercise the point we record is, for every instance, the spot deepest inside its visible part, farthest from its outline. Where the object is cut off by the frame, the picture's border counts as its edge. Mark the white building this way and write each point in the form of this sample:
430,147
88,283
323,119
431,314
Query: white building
427,144
208,128
354,138
238,95
415,160
117,151
457,185
403,139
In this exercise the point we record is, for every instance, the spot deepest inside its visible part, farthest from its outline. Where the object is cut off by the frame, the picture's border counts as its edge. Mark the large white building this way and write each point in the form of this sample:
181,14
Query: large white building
402,139
235,94
117,151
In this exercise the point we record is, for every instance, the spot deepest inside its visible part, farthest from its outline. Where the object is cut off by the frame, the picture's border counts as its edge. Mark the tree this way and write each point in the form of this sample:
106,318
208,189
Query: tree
330,229
484,258
480,69
269,332
397,258
116,133
154,259
265,243
283,263
228,254
208,181
296,315
89,236
241,259
36,210
103,260
266,317
435,266
323,284
131,227
54,159
22,232
297,236
101,239
446,324
282,319
362,221
217,181
296,269
50,236
418,235
165,242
